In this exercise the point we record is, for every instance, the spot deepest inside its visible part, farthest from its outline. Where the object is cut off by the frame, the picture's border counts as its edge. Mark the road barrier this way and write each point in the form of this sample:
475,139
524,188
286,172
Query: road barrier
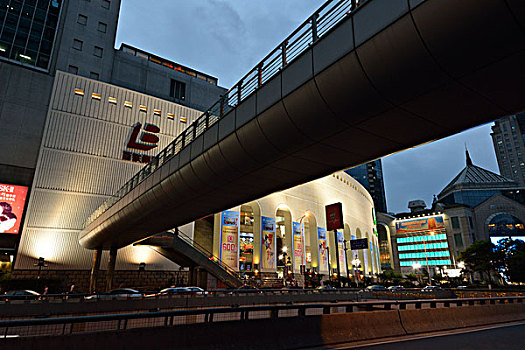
274,326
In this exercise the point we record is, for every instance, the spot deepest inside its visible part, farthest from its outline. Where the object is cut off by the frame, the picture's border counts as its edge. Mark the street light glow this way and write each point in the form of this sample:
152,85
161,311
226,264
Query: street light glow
416,266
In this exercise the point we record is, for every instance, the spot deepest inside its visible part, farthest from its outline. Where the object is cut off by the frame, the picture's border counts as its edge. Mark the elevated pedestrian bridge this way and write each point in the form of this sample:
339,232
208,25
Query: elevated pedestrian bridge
353,83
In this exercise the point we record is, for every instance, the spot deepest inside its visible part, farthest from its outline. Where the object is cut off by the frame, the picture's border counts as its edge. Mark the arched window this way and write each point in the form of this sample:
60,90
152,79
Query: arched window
505,224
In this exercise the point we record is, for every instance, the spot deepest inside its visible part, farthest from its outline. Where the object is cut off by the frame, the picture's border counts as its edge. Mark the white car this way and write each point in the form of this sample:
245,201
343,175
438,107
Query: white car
120,293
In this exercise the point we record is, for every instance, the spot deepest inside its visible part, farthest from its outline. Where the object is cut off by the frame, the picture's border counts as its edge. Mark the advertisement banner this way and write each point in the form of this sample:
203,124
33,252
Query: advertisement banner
334,216
342,255
268,246
420,224
298,246
323,249
12,203
229,251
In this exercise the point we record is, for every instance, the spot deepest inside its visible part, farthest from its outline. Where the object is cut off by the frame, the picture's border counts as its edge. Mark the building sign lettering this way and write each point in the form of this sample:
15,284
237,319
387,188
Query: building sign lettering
147,141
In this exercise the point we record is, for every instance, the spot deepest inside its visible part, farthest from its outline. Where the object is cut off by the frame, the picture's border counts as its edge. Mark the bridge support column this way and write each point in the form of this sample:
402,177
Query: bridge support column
94,270
111,268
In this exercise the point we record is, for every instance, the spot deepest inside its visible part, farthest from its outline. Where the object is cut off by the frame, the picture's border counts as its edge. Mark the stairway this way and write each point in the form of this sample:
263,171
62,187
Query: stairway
182,250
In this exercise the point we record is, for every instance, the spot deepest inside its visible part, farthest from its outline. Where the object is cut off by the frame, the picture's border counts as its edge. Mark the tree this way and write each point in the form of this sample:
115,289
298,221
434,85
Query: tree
513,255
482,257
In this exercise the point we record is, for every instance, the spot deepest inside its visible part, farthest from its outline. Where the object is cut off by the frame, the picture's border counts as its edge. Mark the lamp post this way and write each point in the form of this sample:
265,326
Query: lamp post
426,257
416,266
346,261
41,263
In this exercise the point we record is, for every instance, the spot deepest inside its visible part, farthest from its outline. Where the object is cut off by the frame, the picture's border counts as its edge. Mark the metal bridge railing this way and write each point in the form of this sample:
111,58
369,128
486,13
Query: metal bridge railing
89,324
307,34
211,257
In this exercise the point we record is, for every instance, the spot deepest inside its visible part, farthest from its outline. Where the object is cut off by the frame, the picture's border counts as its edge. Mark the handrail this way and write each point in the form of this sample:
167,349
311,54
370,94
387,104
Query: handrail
243,312
209,255
303,37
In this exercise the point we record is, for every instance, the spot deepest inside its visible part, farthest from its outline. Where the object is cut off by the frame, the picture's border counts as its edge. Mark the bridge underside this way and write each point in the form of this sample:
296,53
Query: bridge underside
395,75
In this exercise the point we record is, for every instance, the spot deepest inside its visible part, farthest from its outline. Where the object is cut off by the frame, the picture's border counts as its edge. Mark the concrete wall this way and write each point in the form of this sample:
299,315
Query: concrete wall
81,164
139,74
283,333
90,35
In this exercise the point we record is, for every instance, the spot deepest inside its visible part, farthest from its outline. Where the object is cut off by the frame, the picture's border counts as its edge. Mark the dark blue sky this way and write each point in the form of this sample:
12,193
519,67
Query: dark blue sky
227,38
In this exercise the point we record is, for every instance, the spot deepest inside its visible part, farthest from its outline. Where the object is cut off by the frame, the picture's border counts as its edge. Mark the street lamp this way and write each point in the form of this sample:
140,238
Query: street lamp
426,257
416,266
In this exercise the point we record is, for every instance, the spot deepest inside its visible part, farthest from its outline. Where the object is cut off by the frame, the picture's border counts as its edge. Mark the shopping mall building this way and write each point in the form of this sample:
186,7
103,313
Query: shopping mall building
80,119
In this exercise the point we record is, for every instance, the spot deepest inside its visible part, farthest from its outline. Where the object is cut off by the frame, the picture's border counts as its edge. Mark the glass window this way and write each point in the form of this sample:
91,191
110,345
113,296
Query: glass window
177,89
73,69
82,20
455,222
102,27
78,44
458,240
94,75
98,51
106,4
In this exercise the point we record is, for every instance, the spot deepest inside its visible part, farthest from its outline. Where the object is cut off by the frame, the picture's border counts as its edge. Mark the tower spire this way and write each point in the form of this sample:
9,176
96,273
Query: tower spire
469,161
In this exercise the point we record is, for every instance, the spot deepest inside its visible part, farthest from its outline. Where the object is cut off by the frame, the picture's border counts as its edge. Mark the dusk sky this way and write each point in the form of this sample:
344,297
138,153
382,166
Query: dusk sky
227,38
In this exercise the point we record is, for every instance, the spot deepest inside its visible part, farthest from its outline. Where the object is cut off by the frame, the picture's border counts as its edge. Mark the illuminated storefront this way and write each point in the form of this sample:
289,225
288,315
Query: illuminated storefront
422,241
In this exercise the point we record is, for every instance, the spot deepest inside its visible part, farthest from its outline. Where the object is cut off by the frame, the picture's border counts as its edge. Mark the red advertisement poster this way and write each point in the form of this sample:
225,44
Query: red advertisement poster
334,216
12,203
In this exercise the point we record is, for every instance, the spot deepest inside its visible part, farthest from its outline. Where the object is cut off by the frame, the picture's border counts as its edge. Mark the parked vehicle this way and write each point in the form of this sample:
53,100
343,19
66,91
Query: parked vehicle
120,293
326,288
25,294
376,288
196,291
431,289
396,289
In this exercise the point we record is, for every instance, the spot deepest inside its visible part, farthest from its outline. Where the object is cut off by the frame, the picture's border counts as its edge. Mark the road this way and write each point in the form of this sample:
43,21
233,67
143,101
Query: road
506,337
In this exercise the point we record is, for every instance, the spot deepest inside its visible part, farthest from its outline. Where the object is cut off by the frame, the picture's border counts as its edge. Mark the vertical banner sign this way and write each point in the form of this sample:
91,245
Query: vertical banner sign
12,203
342,255
298,246
268,246
323,251
334,216
229,238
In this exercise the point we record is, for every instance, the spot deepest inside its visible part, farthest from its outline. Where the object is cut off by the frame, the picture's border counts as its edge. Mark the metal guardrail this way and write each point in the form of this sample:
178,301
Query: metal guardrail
308,33
87,324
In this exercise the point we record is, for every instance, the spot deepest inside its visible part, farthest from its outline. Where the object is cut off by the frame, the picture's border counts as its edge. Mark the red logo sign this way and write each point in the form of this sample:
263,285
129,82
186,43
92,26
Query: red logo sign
148,140
334,216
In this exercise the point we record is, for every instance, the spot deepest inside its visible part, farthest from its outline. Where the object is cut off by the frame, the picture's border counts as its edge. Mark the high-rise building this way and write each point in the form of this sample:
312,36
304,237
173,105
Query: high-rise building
508,136
41,39
370,175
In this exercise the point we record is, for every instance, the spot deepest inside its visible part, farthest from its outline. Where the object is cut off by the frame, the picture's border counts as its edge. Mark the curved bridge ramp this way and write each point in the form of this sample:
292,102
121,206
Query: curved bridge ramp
184,252
348,86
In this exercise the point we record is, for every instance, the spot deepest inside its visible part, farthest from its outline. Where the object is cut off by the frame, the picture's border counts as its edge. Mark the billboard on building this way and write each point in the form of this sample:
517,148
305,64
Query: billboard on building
298,246
268,245
323,249
420,224
12,204
229,238
342,255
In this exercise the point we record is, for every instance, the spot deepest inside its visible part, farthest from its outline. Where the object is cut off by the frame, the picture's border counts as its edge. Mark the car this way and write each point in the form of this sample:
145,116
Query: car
174,291
431,289
25,294
462,287
326,288
197,291
120,293
376,288
396,289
